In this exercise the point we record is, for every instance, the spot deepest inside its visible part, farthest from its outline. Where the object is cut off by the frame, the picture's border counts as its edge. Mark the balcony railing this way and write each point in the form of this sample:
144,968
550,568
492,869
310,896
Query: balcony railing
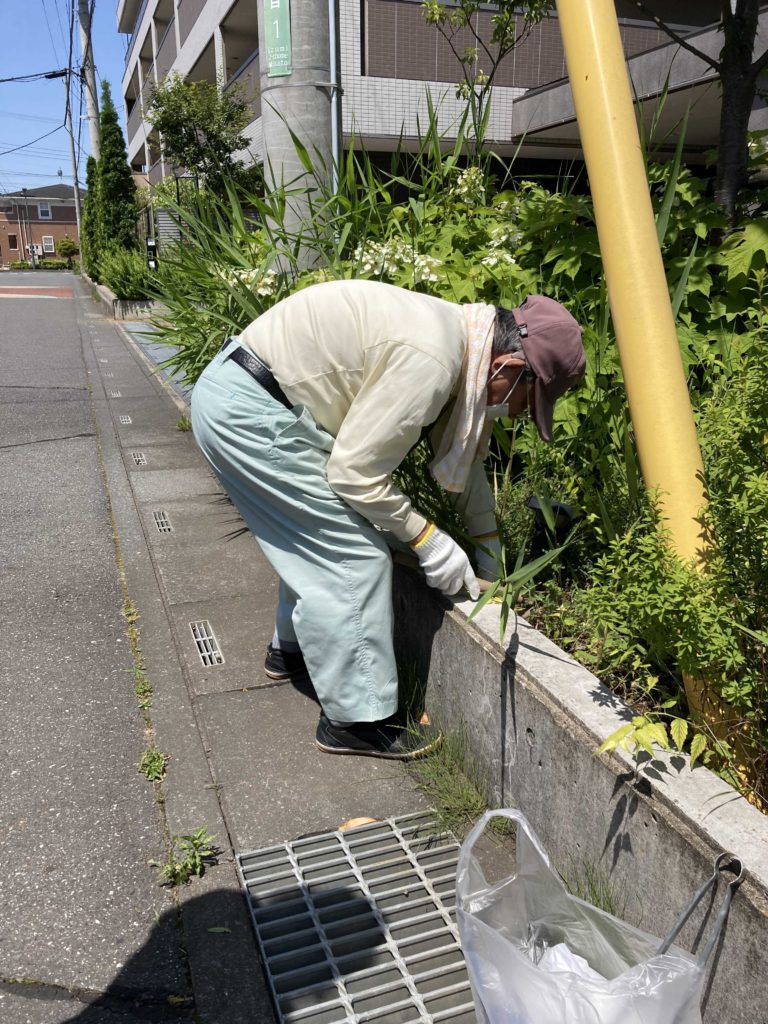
188,12
247,76
166,51
155,172
136,27
134,120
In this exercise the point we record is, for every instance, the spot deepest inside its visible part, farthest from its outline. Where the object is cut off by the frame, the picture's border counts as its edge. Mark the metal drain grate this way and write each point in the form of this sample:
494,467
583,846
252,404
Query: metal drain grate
115,394
139,458
162,522
125,420
360,925
206,643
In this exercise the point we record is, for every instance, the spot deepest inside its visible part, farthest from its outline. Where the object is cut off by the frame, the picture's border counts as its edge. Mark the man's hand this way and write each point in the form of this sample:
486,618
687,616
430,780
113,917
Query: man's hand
488,555
445,565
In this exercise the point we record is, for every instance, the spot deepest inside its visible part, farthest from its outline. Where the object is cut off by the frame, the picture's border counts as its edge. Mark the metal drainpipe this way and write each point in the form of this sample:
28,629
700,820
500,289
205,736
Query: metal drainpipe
335,93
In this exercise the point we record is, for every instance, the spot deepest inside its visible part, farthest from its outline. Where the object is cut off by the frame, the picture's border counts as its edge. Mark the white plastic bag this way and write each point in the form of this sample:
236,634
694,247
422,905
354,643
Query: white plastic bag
537,955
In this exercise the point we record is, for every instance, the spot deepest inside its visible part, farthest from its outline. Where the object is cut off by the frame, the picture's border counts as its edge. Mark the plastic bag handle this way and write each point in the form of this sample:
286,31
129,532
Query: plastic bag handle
506,812
724,862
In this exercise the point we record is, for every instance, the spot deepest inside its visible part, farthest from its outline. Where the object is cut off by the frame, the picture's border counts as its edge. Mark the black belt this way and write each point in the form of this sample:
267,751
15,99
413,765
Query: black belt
260,373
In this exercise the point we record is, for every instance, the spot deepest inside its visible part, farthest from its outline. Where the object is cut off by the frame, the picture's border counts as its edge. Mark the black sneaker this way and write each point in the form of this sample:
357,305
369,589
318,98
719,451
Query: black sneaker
390,738
284,664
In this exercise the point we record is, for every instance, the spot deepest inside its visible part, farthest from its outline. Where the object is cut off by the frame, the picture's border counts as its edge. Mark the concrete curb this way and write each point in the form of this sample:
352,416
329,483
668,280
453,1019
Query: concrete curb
124,309
533,718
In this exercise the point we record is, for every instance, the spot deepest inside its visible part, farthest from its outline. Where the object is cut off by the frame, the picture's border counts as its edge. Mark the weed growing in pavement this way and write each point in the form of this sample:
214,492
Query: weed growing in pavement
188,856
152,764
184,423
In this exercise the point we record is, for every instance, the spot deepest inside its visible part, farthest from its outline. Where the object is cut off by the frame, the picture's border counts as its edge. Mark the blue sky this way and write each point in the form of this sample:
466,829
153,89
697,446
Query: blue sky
34,38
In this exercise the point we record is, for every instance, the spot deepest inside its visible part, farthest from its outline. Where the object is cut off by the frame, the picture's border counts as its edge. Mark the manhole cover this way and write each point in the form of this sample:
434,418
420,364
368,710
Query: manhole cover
359,925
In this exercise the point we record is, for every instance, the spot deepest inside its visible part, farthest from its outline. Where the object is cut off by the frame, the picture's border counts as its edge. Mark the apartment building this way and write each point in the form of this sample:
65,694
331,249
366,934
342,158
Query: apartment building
389,58
38,217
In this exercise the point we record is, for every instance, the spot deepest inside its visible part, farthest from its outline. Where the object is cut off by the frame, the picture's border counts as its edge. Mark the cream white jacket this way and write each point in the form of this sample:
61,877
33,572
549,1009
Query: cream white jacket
374,364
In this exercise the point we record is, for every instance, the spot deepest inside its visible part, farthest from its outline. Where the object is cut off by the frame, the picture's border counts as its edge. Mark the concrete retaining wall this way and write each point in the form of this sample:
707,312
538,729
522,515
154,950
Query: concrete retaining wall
533,719
125,309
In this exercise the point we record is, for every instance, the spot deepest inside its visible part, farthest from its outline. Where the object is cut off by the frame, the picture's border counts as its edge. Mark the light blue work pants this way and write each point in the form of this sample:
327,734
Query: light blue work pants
335,570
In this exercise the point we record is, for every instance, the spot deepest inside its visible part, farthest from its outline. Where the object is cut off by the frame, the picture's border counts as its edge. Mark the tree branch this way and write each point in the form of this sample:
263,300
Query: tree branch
760,64
680,40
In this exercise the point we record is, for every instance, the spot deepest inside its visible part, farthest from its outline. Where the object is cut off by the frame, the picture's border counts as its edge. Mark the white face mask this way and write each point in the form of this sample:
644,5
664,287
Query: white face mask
492,412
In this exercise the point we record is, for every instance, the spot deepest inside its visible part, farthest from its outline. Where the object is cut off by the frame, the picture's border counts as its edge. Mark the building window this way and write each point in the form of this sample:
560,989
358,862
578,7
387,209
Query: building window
44,211
13,242
48,243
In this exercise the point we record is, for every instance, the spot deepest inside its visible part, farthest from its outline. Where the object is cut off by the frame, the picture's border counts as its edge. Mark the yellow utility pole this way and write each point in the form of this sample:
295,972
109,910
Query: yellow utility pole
637,287
659,403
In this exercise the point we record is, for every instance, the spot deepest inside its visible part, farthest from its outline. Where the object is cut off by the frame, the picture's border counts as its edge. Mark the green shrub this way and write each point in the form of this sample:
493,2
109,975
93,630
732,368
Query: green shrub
52,264
125,272
20,265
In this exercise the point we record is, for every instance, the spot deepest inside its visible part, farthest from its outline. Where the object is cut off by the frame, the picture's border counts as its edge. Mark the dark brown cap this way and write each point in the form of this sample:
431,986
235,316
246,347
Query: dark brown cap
551,340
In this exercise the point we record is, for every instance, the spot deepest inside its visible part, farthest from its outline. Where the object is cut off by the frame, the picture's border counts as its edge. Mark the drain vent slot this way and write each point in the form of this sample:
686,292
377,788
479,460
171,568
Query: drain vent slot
115,394
125,420
360,925
139,458
207,645
162,522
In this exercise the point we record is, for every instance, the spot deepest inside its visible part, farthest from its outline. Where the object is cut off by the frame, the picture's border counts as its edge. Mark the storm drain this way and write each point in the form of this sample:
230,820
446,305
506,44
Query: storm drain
126,420
359,926
139,458
162,522
207,645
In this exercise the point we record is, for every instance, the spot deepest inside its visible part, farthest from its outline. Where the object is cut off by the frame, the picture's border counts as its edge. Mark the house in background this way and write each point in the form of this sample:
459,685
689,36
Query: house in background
38,217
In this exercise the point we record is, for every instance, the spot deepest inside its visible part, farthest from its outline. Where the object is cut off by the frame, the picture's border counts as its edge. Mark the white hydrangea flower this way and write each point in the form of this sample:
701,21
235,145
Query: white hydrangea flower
387,259
469,187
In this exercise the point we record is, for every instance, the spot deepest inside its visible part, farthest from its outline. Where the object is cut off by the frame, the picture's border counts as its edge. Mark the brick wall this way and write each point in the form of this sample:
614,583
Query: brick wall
62,224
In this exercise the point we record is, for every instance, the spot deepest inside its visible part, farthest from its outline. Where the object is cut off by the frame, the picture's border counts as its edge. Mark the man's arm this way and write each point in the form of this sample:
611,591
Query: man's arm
403,389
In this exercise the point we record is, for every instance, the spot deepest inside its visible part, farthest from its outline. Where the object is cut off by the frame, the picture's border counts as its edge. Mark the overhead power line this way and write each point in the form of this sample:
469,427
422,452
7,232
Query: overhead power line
15,149
37,77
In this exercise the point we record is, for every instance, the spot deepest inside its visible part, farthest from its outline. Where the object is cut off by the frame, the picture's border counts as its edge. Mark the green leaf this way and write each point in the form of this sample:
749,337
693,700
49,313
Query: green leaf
698,746
615,738
679,730
662,220
485,598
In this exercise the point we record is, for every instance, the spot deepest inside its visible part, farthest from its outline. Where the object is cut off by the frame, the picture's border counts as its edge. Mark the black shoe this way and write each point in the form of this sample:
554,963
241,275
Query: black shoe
390,738
284,664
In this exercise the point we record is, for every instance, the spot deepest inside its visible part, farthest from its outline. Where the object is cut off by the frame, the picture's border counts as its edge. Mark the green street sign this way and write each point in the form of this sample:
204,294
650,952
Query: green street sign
277,33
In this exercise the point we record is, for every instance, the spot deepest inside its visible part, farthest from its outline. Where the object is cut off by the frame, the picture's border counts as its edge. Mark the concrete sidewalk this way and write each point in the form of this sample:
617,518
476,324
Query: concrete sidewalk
107,501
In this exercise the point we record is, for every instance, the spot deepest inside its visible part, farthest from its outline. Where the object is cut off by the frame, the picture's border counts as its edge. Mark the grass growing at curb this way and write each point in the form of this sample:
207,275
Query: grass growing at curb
184,423
590,882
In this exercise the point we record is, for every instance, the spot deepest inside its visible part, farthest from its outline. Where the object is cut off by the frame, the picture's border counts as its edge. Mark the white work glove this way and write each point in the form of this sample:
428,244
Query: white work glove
444,563
488,556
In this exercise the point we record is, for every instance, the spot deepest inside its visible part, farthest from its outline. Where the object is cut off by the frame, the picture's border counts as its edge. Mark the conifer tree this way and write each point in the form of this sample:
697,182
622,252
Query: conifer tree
117,191
90,228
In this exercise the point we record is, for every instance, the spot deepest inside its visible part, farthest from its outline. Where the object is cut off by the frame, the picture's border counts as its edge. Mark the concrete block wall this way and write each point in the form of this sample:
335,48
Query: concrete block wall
533,719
